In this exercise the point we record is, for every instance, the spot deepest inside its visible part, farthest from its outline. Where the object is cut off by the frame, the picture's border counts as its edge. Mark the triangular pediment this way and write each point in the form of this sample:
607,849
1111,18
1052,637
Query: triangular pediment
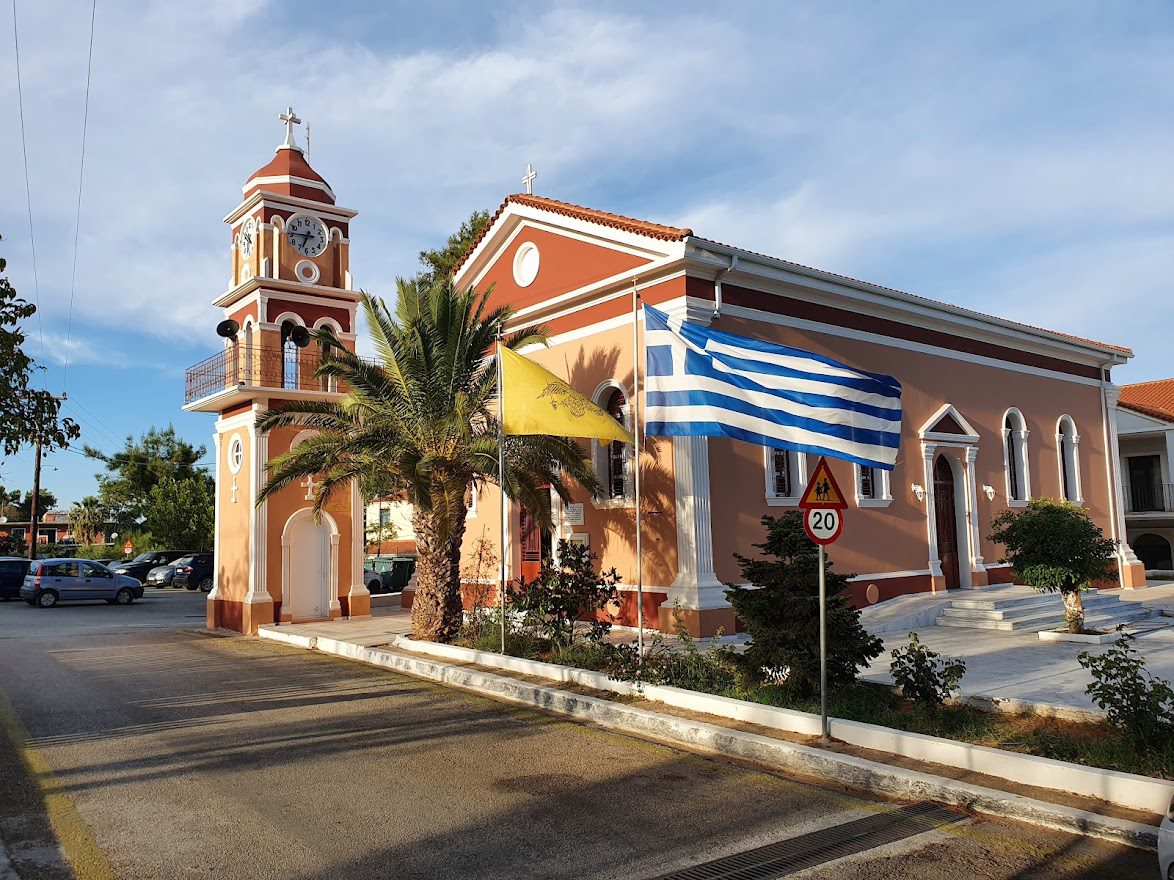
948,424
536,251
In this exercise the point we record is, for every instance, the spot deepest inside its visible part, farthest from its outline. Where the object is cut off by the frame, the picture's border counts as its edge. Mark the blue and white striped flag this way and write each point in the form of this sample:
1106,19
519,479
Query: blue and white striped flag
703,382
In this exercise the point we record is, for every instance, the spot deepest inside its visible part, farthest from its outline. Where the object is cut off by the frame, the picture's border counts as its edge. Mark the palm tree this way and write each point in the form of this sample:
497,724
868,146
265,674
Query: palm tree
421,420
86,519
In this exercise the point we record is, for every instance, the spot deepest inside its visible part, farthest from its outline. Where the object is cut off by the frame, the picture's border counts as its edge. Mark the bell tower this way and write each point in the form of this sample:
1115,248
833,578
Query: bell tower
289,251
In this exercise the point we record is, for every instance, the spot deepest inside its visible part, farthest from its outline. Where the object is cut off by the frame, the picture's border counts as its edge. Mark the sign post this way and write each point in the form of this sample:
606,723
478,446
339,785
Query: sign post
823,519
128,548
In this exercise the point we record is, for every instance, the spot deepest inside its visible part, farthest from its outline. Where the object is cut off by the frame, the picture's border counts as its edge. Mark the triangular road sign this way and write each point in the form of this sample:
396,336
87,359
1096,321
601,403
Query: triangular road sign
822,490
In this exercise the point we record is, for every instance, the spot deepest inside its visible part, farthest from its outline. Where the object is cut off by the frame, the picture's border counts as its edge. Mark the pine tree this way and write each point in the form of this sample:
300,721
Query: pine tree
780,612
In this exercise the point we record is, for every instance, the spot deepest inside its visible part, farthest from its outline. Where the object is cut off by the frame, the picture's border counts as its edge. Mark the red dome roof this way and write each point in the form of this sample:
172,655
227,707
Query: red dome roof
290,174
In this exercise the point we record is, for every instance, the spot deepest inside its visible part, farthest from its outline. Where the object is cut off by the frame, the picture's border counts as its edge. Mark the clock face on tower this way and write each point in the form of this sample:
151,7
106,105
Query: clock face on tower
248,236
306,234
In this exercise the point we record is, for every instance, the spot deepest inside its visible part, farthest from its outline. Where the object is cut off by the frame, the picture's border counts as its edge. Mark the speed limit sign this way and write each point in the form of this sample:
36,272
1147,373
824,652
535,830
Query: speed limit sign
823,504
823,524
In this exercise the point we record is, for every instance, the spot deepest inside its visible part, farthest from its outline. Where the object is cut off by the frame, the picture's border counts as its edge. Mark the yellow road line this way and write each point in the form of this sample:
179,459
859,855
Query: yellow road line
81,850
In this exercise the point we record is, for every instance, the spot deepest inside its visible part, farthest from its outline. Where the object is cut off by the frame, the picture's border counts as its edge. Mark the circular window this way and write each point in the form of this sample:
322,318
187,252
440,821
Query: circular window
307,272
236,454
526,264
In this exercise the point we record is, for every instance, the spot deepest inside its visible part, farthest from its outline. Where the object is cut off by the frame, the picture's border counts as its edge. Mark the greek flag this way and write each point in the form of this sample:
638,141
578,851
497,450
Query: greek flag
703,382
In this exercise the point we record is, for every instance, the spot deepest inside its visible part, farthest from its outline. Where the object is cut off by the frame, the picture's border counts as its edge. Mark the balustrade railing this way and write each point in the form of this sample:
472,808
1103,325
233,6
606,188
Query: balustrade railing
1149,497
241,366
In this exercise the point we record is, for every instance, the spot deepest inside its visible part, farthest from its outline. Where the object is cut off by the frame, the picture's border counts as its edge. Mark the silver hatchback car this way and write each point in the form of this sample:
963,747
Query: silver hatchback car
50,581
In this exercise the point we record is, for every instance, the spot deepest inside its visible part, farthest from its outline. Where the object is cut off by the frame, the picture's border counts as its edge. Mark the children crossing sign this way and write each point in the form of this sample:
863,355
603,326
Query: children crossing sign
823,502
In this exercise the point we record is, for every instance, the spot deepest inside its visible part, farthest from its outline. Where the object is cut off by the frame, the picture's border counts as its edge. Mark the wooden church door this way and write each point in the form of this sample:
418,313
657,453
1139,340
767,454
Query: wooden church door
531,545
946,521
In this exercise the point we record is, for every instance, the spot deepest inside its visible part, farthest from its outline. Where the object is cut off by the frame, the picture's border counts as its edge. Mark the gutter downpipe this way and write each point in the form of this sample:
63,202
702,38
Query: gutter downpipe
717,285
1110,454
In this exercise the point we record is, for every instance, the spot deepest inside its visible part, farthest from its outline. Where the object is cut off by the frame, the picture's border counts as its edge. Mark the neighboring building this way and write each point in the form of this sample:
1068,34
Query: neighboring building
52,528
388,527
1145,424
995,413
289,251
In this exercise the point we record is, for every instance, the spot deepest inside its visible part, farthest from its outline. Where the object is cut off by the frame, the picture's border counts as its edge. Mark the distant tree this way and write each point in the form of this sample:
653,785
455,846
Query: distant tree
26,414
180,513
46,500
1055,546
780,611
134,471
87,519
440,264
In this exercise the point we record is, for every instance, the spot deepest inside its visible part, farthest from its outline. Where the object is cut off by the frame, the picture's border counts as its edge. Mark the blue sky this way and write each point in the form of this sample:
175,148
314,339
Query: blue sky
1009,157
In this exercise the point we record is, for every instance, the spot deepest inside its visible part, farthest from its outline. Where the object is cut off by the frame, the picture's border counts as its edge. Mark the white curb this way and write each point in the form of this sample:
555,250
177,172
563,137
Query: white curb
714,739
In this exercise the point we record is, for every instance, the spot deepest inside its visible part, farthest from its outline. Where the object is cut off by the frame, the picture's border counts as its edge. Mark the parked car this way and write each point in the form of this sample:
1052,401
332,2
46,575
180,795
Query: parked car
49,581
12,572
142,564
1166,843
373,582
394,572
161,575
194,572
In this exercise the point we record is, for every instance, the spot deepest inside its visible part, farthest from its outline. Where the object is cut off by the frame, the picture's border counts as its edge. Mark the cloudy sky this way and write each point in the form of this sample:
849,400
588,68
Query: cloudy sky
1009,157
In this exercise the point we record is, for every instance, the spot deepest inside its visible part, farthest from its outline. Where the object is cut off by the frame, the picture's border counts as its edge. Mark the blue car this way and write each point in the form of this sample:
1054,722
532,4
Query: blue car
50,581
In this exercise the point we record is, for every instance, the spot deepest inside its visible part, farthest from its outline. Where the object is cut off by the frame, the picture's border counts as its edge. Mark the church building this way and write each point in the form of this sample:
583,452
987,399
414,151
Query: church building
289,258
996,412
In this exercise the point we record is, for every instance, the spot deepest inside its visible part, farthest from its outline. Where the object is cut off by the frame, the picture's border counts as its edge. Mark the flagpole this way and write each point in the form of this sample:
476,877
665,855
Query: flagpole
823,648
636,468
501,486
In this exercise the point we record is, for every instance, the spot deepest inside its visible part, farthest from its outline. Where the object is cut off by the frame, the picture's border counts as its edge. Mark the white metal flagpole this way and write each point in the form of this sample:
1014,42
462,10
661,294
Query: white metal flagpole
636,467
501,486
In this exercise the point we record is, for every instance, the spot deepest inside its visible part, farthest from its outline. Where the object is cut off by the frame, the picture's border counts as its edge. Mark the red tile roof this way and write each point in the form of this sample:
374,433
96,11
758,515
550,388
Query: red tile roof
290,163
1154,399
677,233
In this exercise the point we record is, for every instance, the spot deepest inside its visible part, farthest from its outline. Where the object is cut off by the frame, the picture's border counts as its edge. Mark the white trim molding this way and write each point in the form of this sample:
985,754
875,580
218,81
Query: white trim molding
798,465
882,492
1068,461
1016,435
696,585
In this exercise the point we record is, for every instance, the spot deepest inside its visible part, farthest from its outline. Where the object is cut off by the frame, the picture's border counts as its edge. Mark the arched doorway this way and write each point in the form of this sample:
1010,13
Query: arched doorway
1154,552
308,565
946,521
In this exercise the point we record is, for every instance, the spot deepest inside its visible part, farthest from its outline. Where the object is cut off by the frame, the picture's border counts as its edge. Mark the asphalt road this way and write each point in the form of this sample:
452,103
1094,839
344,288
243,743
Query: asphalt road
188,755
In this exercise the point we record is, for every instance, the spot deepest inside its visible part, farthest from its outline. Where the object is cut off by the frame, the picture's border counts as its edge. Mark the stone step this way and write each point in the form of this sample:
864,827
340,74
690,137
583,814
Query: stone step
1050,604
982,603
1096,619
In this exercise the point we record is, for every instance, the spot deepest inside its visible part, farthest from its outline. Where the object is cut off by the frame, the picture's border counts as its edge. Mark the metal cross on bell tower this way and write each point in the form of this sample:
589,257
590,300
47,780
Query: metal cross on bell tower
528,179
290,121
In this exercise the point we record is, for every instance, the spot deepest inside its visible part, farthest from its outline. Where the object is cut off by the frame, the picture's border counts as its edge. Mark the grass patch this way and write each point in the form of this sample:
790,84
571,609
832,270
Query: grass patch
1094,744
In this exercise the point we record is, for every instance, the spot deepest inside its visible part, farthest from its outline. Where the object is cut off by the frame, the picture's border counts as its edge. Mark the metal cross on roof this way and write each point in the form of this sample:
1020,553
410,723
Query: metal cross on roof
290,121
528,179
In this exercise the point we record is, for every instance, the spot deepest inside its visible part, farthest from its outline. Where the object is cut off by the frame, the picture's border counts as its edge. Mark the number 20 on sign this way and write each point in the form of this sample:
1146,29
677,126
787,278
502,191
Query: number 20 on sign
823,504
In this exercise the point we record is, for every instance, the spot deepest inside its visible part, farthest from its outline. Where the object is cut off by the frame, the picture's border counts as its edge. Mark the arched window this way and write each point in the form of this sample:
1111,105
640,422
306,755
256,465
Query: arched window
1066,443
1015,457
616,473
248,369
785,476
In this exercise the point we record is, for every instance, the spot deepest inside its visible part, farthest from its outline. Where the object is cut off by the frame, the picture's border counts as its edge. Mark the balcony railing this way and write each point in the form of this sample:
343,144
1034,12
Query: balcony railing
1149,498
239,366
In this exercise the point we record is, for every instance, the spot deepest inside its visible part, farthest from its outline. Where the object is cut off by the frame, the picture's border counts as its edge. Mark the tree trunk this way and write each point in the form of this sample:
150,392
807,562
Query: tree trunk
1073,610
436,607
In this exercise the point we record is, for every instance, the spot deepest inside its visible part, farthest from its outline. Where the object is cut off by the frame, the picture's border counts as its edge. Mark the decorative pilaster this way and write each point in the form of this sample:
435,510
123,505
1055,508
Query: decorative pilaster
696,586
1132,569
258,541
978,575
358,596
928,450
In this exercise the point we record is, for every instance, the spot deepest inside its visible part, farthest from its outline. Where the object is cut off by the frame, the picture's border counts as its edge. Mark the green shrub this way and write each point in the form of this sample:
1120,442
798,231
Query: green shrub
683,665
552,604
1134,701
1055,546
781,613
924,676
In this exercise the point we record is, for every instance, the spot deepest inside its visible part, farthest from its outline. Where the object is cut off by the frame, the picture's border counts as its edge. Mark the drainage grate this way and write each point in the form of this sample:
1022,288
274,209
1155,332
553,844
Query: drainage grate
808,850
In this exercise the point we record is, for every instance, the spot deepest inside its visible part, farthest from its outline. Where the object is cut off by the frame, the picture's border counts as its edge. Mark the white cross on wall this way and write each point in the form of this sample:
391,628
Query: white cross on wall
234,490
290,121
309,484
528,179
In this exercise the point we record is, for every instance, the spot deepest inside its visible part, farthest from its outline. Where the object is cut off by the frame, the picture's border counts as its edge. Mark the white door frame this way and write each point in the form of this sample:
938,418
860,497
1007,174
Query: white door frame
331,563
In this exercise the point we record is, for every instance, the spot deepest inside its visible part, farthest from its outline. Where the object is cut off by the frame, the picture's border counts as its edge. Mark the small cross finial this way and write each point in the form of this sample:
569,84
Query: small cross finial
528,179
290,121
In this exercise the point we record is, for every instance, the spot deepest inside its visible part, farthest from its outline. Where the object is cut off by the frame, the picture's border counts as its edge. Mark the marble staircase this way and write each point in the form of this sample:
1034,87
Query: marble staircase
1022,608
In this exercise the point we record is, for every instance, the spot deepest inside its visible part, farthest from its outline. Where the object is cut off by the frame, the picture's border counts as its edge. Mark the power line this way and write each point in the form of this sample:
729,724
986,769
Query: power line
28,193
80,178
86,414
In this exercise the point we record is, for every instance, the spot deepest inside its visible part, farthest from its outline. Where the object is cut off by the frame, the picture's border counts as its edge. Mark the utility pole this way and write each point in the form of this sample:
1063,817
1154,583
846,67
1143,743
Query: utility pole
33,511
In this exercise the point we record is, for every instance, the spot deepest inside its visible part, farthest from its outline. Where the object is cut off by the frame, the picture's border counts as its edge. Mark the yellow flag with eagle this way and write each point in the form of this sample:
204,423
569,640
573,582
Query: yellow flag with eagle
536,401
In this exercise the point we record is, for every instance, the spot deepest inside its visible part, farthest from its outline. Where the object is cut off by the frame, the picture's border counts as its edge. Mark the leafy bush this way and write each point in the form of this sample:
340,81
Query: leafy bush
924,676
553,602
685,665
1133,700
781,613
1055,546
